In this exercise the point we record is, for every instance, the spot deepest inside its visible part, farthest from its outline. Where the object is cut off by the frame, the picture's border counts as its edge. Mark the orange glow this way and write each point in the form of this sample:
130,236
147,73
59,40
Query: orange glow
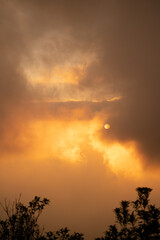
106,126
57,140
66,140
123,160
52,139
114,99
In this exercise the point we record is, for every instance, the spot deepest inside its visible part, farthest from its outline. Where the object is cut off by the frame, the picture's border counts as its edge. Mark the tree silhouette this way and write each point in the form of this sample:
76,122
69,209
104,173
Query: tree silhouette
22,223
63,234
136,220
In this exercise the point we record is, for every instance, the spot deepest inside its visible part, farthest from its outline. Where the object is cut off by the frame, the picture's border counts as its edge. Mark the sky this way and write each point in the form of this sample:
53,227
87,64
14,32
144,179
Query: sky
79,106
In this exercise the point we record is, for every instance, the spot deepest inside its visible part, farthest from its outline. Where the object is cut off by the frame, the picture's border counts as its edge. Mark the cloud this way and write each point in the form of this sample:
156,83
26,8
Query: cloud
68,68
111,48
132,55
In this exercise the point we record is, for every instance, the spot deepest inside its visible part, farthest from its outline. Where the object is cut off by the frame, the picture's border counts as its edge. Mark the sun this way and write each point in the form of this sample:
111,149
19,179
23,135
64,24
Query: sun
106,126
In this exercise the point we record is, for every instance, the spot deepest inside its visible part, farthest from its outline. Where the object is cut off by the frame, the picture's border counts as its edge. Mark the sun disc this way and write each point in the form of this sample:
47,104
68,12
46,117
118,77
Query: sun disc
106,126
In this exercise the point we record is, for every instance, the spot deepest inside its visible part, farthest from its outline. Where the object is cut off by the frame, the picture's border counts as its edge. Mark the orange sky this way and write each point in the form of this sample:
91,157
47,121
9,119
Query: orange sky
67,70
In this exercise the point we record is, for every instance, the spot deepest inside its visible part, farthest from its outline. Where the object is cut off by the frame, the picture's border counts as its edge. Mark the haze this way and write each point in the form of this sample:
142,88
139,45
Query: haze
79,106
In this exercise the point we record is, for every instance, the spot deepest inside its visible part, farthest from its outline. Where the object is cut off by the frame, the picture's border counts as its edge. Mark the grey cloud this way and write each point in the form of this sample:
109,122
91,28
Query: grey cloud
125,38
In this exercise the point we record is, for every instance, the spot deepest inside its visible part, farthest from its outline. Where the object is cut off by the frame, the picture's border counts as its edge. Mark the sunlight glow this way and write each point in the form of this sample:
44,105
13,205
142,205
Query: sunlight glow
114,99
69,140
123,160
106,126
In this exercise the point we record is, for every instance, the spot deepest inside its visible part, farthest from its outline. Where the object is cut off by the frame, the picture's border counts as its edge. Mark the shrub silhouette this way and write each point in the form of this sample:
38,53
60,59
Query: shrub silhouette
63,234
136,220
22,223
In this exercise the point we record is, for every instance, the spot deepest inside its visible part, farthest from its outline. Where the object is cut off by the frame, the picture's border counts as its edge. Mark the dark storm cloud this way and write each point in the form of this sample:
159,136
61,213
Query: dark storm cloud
132,56
124,35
